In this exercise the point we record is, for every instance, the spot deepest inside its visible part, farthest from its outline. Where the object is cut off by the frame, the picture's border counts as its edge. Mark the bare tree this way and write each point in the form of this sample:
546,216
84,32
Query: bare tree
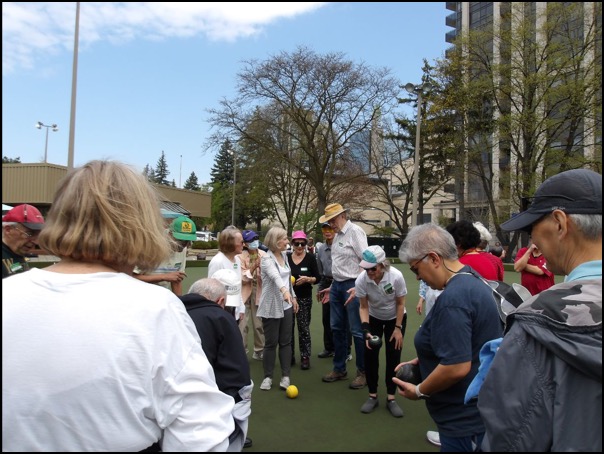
315,104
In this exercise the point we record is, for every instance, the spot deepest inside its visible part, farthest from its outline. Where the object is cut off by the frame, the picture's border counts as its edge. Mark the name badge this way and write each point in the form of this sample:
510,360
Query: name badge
16,267
303,270
388,289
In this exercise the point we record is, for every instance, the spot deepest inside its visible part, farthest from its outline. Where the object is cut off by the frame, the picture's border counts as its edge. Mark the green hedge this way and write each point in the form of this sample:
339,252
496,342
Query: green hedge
205,244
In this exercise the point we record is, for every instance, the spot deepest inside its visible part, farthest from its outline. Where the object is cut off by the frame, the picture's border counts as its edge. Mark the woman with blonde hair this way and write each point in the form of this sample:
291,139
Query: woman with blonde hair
277,307
95,359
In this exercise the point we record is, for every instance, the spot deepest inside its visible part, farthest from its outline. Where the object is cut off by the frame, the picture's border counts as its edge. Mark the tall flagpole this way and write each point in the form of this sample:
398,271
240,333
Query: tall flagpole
74,84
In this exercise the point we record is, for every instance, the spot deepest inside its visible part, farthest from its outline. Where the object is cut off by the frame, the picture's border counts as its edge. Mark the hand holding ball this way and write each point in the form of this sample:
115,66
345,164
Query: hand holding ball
409,373
375,341
291,391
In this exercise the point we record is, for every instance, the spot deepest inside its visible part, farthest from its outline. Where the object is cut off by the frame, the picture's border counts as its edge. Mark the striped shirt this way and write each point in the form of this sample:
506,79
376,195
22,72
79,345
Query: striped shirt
347,252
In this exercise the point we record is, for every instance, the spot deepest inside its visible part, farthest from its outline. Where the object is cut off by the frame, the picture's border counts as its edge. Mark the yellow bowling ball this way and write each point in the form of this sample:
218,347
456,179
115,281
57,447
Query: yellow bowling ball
293,280
291,391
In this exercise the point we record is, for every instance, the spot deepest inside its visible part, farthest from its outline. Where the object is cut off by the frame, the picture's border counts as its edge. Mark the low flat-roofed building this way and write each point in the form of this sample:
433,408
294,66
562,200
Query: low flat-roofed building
36,183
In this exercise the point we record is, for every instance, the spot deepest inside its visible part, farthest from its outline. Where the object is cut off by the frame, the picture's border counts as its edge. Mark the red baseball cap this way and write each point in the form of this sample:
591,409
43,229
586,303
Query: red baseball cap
25,214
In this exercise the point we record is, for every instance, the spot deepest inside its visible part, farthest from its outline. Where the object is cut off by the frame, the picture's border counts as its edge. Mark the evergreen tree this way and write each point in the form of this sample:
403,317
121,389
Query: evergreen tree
148,173
222,170
161,171
7,160
222,174
192,183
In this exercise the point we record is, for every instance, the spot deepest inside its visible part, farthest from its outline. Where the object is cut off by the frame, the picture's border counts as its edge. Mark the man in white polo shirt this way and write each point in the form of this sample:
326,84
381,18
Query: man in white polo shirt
346,253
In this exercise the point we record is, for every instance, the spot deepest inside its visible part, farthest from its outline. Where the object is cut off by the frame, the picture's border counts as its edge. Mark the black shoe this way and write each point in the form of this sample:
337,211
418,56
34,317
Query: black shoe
305,365
247,443
325,354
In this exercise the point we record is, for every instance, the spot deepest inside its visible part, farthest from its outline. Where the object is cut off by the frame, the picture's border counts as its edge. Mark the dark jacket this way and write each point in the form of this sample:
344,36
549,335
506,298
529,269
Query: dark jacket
12,263
543,391
221,342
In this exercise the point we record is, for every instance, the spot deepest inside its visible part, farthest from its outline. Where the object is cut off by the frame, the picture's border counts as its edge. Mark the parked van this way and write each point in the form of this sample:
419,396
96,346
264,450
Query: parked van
204,236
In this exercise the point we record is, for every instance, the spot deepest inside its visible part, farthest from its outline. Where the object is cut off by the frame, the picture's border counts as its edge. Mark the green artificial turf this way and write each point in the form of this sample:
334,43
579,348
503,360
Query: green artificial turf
327,416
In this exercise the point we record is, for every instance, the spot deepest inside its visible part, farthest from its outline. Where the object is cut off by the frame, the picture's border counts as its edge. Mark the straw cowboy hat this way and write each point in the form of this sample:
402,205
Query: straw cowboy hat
331,211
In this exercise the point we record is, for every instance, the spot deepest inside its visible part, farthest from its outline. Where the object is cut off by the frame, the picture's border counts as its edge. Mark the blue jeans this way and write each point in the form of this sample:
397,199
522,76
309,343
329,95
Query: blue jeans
341,317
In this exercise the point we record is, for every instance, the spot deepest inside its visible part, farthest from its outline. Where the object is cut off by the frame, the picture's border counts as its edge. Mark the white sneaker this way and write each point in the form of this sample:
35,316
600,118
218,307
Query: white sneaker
266,384
433,437
284,383
349,357
258,356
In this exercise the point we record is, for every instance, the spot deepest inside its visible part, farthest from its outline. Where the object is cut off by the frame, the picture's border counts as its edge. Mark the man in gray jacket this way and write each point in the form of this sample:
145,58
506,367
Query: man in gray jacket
543,391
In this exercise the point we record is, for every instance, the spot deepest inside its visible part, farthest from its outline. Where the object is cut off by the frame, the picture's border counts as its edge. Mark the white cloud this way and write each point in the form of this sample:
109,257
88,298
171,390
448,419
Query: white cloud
32,29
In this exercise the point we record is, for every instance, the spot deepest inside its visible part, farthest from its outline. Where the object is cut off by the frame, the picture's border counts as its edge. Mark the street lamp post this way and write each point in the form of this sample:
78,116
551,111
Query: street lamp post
418,90
234,183
55,128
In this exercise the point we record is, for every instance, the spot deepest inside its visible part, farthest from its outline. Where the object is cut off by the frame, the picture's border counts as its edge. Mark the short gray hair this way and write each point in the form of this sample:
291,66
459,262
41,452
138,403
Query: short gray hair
210,288
589,225
426,238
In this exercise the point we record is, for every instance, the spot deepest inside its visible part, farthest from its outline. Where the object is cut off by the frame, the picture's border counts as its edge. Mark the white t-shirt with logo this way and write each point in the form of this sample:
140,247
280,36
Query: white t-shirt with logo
381,297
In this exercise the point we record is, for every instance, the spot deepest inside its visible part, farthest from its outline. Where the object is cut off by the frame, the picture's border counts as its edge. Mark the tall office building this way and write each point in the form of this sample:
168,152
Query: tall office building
519,31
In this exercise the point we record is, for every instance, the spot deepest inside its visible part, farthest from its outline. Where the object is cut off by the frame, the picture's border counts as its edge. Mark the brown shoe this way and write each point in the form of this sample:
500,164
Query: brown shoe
334,375
359,382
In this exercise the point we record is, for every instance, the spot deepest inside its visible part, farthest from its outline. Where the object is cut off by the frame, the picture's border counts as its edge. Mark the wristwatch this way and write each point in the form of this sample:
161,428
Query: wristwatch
399,326
419,394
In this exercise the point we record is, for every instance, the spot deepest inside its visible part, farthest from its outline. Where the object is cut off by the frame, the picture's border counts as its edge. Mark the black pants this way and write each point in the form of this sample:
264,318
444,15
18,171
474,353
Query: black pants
327,336
383,328
302,319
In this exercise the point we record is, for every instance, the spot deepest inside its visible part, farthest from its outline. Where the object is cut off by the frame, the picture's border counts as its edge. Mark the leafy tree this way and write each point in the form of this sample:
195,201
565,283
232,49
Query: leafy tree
192,183
533,111
7,160
307,109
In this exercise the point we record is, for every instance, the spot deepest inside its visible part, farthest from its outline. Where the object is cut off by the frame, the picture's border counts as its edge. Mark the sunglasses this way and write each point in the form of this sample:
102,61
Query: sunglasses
371,269
298,244
413,267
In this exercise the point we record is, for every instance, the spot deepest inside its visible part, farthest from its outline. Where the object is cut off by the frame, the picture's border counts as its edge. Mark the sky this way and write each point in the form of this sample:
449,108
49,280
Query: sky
148,72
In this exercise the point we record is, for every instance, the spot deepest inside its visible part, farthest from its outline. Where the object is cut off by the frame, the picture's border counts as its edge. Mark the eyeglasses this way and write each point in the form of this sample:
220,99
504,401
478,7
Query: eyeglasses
333,220
371,269
297,244
413,267
26,233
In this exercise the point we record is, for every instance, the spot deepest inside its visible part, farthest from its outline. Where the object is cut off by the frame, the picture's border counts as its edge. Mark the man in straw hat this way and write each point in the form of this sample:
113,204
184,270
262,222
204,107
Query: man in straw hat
346,254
